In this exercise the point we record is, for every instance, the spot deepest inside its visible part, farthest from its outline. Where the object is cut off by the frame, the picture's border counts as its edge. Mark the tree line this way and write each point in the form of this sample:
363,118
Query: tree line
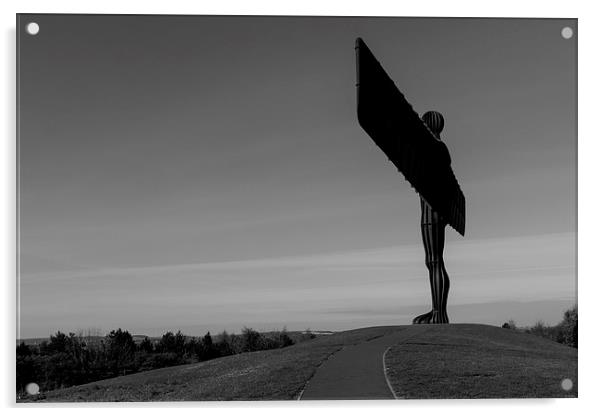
68,360
565,332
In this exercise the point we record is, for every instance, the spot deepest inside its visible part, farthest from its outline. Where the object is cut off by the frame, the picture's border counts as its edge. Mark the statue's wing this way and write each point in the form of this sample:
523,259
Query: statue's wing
388,118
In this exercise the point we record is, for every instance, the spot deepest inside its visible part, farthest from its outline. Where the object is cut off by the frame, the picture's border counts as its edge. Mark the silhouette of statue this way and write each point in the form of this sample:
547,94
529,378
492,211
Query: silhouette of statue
415,148
433,238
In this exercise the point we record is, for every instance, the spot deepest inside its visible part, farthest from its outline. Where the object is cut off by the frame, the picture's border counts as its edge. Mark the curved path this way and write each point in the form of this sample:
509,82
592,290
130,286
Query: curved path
357,371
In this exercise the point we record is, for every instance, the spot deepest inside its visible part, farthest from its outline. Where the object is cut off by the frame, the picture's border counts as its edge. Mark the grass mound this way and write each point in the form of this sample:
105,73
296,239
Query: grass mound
480,361
438,361
263,375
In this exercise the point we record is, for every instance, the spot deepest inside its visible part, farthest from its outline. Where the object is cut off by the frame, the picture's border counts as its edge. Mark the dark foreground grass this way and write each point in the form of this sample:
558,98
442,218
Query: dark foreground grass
480,361
262,375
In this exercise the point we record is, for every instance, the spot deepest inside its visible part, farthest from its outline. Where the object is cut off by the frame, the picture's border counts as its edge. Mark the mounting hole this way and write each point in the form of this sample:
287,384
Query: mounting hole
32,388
32,28
566,32
567,384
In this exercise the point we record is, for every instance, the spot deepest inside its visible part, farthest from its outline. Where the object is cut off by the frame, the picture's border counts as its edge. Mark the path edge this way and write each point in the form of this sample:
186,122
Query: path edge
395,397
300,395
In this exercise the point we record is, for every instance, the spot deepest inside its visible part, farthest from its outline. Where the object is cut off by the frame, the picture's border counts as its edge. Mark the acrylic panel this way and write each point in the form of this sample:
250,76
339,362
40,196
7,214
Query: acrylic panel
202,217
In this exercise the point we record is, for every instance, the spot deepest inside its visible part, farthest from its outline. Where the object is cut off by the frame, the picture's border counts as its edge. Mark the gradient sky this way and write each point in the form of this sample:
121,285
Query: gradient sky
209,172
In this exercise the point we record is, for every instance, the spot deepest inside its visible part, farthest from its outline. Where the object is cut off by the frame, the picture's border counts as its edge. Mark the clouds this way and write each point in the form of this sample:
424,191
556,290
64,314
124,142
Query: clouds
328,291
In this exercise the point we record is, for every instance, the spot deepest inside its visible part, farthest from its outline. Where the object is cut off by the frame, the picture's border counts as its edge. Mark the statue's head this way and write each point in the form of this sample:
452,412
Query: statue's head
434,121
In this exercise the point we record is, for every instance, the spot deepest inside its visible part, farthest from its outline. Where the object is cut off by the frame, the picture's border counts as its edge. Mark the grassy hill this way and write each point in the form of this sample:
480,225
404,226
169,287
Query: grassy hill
269,375
480,361
441,361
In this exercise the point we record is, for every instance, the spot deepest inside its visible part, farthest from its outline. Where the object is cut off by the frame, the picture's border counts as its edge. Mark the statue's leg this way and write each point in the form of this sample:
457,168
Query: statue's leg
440,286
426,228
433,239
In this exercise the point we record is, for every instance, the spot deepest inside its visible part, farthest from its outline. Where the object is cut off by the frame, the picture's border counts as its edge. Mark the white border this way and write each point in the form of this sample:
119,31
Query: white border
589,200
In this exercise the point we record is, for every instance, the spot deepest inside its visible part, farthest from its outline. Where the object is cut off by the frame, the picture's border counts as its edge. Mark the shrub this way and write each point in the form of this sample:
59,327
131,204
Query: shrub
252,340
567,329
223,347
284,339
565,332
158,360
23,350
208,350
120,350
58,343
146,346
172,343
25,371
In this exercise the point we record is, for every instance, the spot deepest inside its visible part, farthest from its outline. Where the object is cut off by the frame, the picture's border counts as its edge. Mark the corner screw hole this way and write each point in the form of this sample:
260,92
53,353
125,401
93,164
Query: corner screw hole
566,32
567,384
32,388
32,28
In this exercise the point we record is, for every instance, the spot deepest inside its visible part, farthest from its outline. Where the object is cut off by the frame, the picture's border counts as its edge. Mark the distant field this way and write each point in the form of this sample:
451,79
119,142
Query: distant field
480,361
263,375
445,361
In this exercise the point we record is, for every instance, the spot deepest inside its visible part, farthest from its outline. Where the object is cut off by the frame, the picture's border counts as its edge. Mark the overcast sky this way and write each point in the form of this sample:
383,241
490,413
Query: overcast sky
210,172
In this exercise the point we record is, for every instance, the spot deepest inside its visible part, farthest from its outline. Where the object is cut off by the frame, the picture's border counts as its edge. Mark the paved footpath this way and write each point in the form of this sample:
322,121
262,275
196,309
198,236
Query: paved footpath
356,371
